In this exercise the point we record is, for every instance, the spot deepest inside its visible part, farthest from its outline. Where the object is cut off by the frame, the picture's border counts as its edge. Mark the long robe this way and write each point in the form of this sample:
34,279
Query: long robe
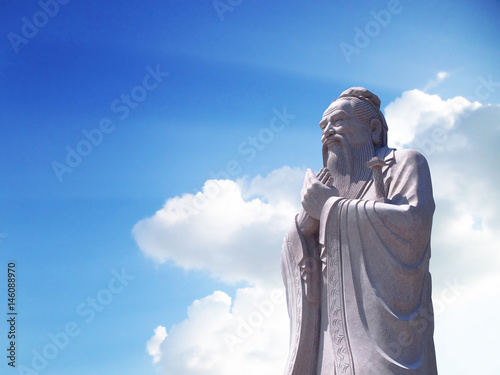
359,293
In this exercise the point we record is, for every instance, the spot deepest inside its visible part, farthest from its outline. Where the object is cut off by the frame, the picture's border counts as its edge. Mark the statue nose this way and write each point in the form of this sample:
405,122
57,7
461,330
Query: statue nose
329,129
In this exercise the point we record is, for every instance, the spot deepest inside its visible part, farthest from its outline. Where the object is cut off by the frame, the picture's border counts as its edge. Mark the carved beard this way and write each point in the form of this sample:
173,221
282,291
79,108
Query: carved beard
347,165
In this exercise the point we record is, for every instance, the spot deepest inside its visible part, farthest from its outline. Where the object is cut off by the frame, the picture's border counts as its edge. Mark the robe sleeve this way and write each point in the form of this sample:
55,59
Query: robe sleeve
301,271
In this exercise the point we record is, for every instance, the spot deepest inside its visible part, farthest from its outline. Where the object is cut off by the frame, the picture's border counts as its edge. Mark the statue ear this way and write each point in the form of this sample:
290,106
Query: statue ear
376,127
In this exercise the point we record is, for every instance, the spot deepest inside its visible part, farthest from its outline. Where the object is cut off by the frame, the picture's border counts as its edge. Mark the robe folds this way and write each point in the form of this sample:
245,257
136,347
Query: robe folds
359,291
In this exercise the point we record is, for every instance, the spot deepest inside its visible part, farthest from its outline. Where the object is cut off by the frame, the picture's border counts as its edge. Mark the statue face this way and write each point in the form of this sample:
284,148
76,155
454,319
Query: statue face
339,126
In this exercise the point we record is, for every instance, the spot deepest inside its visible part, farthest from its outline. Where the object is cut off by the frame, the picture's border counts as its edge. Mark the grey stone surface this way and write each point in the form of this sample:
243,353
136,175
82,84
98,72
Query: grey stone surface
356,261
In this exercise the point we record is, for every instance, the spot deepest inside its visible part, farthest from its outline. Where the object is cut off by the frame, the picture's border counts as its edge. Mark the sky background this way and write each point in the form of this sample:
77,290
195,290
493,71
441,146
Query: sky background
155,250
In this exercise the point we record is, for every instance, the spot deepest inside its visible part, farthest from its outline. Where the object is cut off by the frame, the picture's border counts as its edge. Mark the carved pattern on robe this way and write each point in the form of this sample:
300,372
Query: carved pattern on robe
343,357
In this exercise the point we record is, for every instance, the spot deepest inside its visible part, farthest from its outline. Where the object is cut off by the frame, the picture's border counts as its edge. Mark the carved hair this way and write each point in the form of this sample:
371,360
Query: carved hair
366,107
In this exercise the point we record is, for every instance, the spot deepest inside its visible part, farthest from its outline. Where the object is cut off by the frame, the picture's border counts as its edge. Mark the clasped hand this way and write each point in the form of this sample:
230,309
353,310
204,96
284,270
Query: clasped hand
316,191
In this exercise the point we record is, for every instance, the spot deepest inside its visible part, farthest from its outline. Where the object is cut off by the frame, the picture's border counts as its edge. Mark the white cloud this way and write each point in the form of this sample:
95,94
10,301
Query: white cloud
218,337
440,77
153,345
465,233
232,229
415,112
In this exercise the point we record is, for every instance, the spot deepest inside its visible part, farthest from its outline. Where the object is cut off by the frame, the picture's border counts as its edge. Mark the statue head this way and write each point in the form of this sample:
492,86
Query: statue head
359,110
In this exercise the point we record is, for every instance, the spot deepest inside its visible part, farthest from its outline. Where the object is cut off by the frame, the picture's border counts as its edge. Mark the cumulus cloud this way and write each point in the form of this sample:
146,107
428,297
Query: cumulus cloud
415,112
464,185
153,345
246,336
232,229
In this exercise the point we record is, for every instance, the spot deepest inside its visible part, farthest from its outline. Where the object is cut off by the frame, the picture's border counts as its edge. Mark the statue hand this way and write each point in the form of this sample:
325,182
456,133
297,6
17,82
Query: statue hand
316,191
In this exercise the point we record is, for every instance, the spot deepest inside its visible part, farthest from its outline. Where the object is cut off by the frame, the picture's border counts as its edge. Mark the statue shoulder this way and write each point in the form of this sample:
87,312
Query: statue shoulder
411,157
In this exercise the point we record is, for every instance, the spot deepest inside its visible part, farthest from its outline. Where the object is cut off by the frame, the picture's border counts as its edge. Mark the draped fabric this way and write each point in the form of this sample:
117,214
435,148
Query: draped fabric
370,262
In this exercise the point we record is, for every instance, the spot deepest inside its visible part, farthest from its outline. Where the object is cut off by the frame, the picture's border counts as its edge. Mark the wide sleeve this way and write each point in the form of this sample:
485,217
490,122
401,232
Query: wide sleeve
301,270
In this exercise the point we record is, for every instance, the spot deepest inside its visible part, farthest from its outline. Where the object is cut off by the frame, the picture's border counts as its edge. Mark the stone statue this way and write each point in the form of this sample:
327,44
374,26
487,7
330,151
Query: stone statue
356,262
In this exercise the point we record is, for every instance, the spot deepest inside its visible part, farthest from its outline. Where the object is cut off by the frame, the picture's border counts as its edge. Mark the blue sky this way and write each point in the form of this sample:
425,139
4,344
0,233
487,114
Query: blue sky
228,76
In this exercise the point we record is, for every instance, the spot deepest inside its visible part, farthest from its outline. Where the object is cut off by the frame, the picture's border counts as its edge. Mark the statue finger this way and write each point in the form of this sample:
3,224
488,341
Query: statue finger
310,177
325,177
321,174
307,184
307,177
303,191
329,182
